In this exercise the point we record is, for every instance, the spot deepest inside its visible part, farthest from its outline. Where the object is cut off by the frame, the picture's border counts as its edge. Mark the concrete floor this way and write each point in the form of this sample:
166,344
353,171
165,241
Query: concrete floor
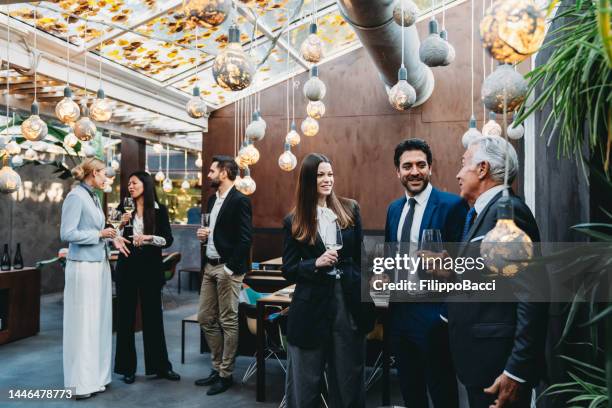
36,363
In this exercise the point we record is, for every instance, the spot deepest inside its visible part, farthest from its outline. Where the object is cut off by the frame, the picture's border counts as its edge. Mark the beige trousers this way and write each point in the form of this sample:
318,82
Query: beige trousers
218,316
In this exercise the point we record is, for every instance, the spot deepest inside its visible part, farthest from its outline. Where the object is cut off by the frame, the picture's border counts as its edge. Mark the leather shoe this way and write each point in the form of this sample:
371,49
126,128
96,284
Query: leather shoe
169,375
83,396
212,378
220,386
129,379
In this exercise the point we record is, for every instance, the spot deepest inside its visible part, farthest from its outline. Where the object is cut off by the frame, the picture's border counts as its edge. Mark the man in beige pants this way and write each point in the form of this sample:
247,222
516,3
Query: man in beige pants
227,233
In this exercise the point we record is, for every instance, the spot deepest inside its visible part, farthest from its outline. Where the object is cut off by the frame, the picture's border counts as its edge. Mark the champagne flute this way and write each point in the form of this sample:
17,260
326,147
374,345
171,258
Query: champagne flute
128,206
114,218
333,241
205,223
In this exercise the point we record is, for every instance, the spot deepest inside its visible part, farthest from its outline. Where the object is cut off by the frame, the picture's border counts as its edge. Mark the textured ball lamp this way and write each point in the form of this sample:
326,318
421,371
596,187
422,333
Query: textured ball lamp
70,140
402,96
312,47
34,128
108,187
10,181
293,137
115,164
314,88
84,128
491,128
504,79
411,13
198,162
256,130
30,154
17,160
512,30
101,109
167,185
515,132
310,127
251,154
160,176
110,172
67,110
471,134
261,119
450,57
12,147
196,107
232,68
287,160
185,184
248,185
211,13
315,109
88,150
433,50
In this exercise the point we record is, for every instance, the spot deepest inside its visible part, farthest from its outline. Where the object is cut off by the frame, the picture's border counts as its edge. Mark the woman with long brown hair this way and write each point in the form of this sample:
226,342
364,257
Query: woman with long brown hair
327,320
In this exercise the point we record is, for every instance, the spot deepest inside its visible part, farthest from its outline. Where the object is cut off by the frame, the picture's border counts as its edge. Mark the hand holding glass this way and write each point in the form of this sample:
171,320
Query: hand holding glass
114,218
332,238
128,206
205,226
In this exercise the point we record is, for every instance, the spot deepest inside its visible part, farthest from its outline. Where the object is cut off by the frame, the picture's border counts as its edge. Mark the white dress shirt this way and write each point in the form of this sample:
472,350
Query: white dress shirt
138,229
211,251
419,209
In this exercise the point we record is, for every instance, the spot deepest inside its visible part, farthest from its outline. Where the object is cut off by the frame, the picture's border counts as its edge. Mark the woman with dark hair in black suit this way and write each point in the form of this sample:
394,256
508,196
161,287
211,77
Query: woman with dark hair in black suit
327,321
140,275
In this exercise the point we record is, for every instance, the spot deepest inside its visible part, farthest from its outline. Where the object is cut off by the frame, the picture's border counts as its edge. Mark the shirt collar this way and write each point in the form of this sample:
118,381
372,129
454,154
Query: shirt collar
222,197
486,197
87,187
423,196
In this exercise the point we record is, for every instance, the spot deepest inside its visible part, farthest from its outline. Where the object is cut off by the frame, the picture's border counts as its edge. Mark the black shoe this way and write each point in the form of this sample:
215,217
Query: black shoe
212,378
169,375
220,386
129,379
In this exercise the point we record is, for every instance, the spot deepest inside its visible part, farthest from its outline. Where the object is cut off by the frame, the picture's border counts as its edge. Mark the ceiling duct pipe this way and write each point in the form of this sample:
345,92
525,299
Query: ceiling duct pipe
373,22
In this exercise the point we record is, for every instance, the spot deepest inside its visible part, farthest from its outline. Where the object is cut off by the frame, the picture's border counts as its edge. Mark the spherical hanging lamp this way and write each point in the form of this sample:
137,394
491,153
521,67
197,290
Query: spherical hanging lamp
293,137
287,160
504,80
115,164
88,150
433,50
210,13
312,47
10,181
256,130
30,154
108,187
471,134
512,30
158,148
515,132
248,185
411,13
251,153
67,110
17,160
101,109
261,119
402,96
84,128
315,109
491,128
196,107
310,126
198,163
185,184
232,68
12,147
34,128
70,140
167,185
160,176
450,56
314,88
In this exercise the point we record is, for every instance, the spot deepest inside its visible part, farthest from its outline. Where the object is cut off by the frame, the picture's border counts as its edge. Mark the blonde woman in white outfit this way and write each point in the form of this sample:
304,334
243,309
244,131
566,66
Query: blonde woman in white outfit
88,291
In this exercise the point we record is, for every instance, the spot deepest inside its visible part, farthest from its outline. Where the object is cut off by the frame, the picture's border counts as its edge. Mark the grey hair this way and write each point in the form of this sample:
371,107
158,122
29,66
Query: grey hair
492,149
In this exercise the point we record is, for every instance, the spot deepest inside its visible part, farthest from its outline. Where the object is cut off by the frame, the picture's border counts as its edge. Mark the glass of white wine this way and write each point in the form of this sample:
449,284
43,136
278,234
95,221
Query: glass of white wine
128,206
114,218
332,238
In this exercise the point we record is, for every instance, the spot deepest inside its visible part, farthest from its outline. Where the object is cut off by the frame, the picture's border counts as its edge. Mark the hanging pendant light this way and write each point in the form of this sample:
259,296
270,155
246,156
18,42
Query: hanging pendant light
108,187
158,148
515,132
34,128
256,130
402,96
115,164
210,13
10,181
12,147
471,134
261,119
198,162
67,110
293,137
167,185
409,10
196,107
84,128
185,184
310,127
315,109
433,50
312,47
232,68
101,109
17,160
30,154
251,153
314,88
512,30
88,150
504,79
41,146
287,160
242,158
450,55
70,140
160,176
247,184
491,128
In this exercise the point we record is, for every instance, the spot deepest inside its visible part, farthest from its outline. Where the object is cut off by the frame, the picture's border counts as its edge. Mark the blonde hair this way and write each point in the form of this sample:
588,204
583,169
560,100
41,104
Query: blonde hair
87,167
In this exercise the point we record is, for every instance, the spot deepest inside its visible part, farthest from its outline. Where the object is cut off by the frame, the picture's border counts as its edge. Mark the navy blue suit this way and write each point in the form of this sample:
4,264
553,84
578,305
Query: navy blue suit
418,335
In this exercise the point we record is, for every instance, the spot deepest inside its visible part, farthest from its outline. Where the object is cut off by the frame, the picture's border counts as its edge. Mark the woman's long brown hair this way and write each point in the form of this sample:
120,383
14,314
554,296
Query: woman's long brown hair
304,226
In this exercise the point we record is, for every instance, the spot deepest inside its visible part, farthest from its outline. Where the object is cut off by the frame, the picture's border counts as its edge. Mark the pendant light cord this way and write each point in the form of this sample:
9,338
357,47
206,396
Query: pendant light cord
443,14
8,65
472,55
505,124
484,69
35,56
402,28
197,61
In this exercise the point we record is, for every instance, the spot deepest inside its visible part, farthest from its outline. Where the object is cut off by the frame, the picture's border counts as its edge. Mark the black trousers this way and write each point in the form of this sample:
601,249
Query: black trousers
424,366
156,352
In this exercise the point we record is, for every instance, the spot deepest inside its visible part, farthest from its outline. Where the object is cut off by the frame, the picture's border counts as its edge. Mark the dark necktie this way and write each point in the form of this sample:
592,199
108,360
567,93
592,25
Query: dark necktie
408,221
469,221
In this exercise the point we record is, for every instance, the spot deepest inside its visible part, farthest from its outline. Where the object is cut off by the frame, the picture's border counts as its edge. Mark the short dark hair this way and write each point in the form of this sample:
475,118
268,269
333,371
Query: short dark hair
412,144
228,164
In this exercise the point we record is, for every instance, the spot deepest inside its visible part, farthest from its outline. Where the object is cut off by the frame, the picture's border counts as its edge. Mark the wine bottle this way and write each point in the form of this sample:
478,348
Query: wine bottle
5,262
18,260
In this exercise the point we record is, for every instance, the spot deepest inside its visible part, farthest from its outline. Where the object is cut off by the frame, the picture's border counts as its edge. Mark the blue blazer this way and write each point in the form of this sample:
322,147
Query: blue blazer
445,212
82,222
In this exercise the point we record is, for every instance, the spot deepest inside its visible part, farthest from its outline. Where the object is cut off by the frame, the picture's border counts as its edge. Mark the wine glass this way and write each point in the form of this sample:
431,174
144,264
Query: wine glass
332,238
114,218
431,241
205,223
128,206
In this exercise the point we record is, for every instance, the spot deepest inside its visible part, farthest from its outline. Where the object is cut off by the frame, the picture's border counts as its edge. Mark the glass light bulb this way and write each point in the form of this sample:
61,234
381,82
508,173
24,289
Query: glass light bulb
402,96
411,13
108,187
505,247
249,185
12,147
70,140
185,184
310,127
198,162
491,128
160,176
255,131
115,165
315,109
10,181
312,48
251,154
314,89
287,161
515,132
34,128
88,149
17,160
167,185
31,154
471,134
196,107
85,129
293,138
158,148
232,68
101,110
67,110
210,13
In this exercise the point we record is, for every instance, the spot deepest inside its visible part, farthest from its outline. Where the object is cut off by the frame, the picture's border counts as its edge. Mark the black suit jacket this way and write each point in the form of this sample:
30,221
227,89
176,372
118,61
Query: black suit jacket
488,338
233,233
312,308
145,263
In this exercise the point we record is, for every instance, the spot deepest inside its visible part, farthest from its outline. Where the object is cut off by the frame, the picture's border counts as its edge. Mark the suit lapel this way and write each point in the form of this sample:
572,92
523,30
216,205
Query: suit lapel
395,219
229,197
430,209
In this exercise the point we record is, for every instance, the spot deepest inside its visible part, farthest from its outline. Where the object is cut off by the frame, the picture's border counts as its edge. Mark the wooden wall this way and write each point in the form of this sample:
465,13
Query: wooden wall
360,131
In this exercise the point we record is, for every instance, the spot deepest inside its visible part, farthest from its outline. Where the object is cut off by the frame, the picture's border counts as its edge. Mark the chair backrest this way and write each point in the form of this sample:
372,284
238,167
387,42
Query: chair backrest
169,265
